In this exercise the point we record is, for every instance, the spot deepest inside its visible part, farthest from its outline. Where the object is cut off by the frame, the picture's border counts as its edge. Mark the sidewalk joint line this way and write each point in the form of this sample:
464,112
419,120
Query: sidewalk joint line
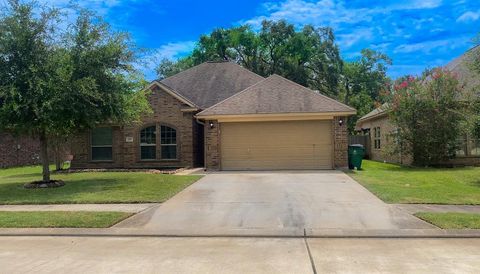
312,262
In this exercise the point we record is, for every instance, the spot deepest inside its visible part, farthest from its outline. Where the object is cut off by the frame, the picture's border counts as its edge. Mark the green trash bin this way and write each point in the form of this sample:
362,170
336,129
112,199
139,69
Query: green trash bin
355,156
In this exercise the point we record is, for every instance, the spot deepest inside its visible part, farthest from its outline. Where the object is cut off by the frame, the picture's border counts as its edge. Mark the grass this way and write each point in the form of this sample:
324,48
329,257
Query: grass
78,219
452,220
398,184
90,187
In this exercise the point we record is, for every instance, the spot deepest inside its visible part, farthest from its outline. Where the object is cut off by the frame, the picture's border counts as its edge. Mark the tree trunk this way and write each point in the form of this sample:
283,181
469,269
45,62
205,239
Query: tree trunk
44,155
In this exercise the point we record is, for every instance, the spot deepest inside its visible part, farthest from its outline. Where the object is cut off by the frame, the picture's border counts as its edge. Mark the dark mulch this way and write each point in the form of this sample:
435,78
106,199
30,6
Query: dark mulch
42,184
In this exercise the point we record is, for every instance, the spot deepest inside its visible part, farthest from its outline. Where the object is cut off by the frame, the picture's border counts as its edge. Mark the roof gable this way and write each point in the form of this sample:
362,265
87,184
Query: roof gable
274,95
156,84
211,82
380,111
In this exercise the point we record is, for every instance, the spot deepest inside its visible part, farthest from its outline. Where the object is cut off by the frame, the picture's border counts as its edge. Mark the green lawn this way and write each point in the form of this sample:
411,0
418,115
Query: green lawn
90,187
452,220
82,219
399,184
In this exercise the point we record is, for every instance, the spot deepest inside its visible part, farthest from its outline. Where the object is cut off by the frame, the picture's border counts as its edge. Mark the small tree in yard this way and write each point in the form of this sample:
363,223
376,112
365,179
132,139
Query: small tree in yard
429,115
54,82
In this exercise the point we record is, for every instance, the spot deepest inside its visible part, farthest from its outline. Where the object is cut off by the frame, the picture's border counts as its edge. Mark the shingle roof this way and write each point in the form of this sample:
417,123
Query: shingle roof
461,66
383,109
276,94
211,82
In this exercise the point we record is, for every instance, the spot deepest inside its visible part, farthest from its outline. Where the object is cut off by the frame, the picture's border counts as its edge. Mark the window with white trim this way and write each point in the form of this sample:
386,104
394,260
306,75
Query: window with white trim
168,143
101,144
148,143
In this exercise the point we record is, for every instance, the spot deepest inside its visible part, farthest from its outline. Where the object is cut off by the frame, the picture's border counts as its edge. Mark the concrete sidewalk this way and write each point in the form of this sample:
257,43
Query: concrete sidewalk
132,208
237,255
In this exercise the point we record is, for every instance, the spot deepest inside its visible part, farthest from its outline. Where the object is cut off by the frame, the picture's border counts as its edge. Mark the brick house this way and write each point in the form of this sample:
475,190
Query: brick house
18,150
224,117
379,128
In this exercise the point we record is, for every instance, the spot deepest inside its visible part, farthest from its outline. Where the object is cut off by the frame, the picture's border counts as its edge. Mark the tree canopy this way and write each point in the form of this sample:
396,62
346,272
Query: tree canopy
55,81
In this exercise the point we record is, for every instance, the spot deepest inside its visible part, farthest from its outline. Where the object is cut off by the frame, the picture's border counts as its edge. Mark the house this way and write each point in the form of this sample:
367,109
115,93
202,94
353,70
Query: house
18,150
224,117
378,127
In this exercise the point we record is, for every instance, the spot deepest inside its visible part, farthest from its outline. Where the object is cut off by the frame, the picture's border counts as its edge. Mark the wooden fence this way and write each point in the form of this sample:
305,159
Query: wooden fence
362,140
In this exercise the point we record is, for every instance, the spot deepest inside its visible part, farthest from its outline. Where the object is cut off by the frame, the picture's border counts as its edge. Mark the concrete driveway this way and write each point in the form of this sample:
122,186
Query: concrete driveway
272,203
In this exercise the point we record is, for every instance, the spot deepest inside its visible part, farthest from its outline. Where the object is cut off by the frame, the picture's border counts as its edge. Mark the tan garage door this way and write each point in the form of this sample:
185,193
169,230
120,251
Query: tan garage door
276,145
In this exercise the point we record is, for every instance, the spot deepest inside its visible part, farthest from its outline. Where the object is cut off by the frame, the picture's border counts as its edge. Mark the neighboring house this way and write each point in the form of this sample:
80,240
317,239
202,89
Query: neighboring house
378,127
224,117
18,150
21,150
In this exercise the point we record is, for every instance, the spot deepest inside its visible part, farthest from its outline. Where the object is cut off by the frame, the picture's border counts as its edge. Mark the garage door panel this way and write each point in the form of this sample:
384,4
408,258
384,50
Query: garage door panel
276,145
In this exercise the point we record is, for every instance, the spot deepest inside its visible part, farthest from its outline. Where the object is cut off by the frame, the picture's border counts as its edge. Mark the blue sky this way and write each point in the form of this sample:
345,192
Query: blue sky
416,34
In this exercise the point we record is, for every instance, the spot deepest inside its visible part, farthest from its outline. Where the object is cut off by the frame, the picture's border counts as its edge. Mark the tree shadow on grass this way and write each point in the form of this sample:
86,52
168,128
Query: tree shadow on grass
74,191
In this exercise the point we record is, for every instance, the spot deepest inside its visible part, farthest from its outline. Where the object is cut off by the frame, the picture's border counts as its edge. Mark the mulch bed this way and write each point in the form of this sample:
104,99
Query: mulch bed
42,184
150,171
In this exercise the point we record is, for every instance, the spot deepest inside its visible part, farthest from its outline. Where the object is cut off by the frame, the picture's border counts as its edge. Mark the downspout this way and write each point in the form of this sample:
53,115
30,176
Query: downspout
204,144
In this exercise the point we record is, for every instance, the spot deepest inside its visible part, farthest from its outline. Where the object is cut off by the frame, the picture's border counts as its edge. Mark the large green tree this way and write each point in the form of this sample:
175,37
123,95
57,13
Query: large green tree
363,80
55,82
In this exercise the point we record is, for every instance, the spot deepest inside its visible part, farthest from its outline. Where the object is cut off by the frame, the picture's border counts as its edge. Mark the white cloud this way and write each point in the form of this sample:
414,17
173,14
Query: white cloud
299,12
171,51
469,16
428,46
349,39
175,50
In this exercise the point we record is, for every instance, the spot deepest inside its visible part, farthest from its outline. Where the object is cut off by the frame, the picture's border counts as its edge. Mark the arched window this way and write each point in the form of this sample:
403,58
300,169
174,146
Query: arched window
168,143
148,143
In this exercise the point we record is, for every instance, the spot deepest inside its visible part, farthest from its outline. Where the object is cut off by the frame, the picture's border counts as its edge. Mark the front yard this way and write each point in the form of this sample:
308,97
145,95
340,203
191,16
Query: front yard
60,219
451,220
91,187
398,184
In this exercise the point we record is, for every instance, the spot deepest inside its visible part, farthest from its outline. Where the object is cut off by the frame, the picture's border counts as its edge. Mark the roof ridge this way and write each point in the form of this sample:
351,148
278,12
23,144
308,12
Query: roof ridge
243,68
236,94
212,62
310,90
181,72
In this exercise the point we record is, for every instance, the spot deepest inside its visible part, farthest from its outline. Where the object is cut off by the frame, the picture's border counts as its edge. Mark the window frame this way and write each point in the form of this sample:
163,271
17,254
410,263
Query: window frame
377,138
92,146
467,144
158,143
168,145
140,144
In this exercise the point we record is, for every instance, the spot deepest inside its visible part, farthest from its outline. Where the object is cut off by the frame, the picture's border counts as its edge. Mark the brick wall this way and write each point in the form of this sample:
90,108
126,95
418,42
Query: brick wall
167,110
340,141
18,150
212,145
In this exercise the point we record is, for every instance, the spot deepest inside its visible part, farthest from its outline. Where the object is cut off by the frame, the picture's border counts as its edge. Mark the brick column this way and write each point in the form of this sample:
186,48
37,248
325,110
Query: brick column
212,145
340,139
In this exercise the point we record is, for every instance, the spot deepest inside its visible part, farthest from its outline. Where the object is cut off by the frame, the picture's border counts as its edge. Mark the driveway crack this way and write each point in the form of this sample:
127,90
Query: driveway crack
312,262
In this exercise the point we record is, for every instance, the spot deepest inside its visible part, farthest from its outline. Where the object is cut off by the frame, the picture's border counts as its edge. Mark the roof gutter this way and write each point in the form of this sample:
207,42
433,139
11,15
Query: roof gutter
275,116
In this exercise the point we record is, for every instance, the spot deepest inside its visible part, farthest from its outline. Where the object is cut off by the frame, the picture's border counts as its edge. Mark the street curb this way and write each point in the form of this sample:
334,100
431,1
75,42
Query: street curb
247,233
